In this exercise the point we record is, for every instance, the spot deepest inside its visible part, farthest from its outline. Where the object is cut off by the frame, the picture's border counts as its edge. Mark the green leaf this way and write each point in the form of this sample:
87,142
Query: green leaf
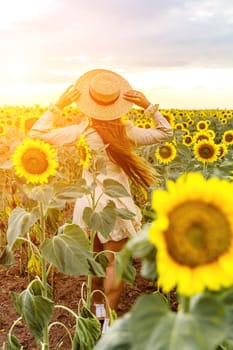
203,328
64,192
96,268
146,315
42,193
36,311
20,222
140,247
124,213
87,332
6,257
52,219
117,337
69,251
212,317
13,343
124,268
114,189
101,258
103,221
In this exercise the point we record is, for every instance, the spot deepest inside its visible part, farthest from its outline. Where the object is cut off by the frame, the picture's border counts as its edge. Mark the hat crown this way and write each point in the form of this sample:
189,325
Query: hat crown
105,88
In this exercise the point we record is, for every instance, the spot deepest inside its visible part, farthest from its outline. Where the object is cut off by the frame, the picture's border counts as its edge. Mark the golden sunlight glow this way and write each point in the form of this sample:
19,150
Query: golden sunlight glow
17,71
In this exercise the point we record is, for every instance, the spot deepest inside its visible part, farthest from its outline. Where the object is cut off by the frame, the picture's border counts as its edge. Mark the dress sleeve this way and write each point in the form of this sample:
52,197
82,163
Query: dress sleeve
44,129
160,132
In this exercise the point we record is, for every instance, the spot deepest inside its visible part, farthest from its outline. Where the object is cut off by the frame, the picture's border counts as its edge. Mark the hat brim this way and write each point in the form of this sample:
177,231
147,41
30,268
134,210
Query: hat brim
102,112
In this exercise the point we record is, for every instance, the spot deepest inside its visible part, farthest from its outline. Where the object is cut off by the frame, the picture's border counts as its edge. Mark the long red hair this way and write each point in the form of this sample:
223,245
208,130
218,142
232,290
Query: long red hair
121,151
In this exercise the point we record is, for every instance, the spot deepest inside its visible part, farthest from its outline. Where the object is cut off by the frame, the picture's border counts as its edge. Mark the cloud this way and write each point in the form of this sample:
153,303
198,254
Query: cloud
60,38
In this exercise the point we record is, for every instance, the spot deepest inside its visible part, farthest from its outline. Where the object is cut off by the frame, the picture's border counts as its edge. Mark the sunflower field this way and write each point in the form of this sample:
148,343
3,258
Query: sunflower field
185,245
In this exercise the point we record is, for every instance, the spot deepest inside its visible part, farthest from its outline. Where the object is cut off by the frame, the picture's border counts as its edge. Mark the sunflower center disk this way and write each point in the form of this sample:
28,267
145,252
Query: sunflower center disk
35,161
198,234
165,152
206,151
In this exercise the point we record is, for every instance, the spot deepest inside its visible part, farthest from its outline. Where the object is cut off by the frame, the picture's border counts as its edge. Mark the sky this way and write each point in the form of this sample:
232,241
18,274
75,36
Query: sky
178,52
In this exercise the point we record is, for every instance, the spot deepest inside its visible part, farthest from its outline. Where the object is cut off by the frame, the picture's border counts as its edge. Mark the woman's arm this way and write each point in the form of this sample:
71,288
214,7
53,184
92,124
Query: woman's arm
44,127
162,130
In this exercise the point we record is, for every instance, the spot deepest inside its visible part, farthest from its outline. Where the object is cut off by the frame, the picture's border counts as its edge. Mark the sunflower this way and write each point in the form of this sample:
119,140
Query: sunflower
203,124
165,153
2,129
35,161
211,133
27,122
179,126
201,135
187,140
144,123
222,150
227,137
170,118
84,152
206,151
193,234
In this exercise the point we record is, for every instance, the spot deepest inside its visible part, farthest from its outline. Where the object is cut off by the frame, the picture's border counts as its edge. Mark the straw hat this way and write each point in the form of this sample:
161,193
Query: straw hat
101,94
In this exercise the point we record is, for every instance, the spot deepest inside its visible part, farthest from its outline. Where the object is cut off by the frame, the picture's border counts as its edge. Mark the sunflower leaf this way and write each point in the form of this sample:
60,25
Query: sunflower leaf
20,221
203,328
103,221
36,311
114,189
70,251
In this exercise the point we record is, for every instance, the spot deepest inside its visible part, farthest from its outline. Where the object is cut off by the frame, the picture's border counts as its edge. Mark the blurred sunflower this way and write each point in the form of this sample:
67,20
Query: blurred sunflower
165,153
201,135
170,117
179,126
223,121
9,122
193,234
211,133
203,124
2,129
26,123
187,140
227,137
35,161
144,123
206,151
222,150
84,152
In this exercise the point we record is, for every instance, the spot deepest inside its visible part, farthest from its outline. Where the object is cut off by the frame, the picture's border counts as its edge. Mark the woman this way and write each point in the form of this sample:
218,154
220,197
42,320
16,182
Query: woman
104,97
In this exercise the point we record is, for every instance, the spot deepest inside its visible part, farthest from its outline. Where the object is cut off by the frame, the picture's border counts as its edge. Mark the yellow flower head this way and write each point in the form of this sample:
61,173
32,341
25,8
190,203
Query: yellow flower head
193,234
35,161
165,153
227,137
203,124
26,123
206,151
2,129
84,152
222,147
187,140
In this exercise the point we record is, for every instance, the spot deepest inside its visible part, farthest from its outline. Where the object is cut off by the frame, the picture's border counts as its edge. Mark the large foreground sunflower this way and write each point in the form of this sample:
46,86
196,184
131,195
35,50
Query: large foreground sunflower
193,234
35,161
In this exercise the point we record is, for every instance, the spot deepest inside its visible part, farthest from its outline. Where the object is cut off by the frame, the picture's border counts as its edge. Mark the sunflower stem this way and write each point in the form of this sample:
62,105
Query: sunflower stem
43,272
185,302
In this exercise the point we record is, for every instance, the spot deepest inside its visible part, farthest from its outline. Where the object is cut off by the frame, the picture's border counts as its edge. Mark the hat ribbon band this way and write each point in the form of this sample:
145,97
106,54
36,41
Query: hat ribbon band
103,103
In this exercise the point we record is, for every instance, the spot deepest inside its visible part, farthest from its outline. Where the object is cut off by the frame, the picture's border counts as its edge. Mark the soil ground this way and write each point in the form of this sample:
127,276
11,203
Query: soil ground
66,292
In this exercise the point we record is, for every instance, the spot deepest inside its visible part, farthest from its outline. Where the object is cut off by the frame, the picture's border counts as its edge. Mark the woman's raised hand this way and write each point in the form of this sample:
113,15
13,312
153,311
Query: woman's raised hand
70,95
137,97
